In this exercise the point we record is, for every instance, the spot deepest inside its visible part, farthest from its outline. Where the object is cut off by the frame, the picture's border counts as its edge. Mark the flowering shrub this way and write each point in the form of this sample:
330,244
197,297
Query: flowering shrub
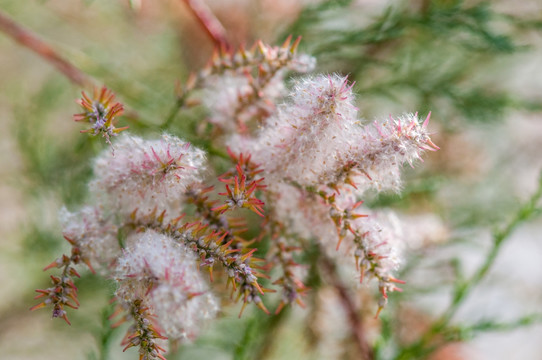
300,161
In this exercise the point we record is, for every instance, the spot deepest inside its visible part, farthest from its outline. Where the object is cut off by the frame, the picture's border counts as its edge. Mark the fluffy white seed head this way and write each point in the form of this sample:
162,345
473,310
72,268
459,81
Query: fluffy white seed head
165,274
316,139
383,149
93,233
309,136
235,96
306,217
146,174
382,242
222,96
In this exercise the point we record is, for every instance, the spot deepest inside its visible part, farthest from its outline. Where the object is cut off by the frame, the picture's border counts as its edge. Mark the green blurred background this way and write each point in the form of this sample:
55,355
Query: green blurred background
476,65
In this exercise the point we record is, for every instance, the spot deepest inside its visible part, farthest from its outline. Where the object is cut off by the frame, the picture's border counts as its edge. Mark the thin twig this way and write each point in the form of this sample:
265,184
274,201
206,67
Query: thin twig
527,211
27,39
173,113
30,41
209,22
355,321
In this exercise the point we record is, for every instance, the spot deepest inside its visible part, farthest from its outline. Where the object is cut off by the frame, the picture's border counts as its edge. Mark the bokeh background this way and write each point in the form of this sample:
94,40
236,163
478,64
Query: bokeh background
476,65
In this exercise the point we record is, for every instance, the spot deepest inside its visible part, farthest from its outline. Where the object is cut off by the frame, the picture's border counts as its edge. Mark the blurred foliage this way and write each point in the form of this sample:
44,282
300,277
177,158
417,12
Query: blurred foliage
104,335
51,164
422,55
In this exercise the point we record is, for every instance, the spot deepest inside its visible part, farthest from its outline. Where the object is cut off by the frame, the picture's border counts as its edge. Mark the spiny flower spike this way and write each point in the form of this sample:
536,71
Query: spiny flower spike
144,333
414,131
63,292
242,88
244,185
385,285
214,247
100,112
241,196
59,295
244,165
218,222
374,254
343,219
292,287
375,257
238,262
245,60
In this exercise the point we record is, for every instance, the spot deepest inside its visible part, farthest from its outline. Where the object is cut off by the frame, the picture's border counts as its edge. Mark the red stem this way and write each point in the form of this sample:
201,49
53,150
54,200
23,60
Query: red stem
209,22
30,41
355,322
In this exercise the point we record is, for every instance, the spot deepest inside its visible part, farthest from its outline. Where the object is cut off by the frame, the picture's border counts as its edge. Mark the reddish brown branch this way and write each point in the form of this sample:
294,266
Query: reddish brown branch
355,322
209,22
30,41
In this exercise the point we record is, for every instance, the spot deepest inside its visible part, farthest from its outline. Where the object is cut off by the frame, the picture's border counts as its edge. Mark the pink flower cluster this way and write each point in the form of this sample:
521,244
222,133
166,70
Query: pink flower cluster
319,159
303,166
